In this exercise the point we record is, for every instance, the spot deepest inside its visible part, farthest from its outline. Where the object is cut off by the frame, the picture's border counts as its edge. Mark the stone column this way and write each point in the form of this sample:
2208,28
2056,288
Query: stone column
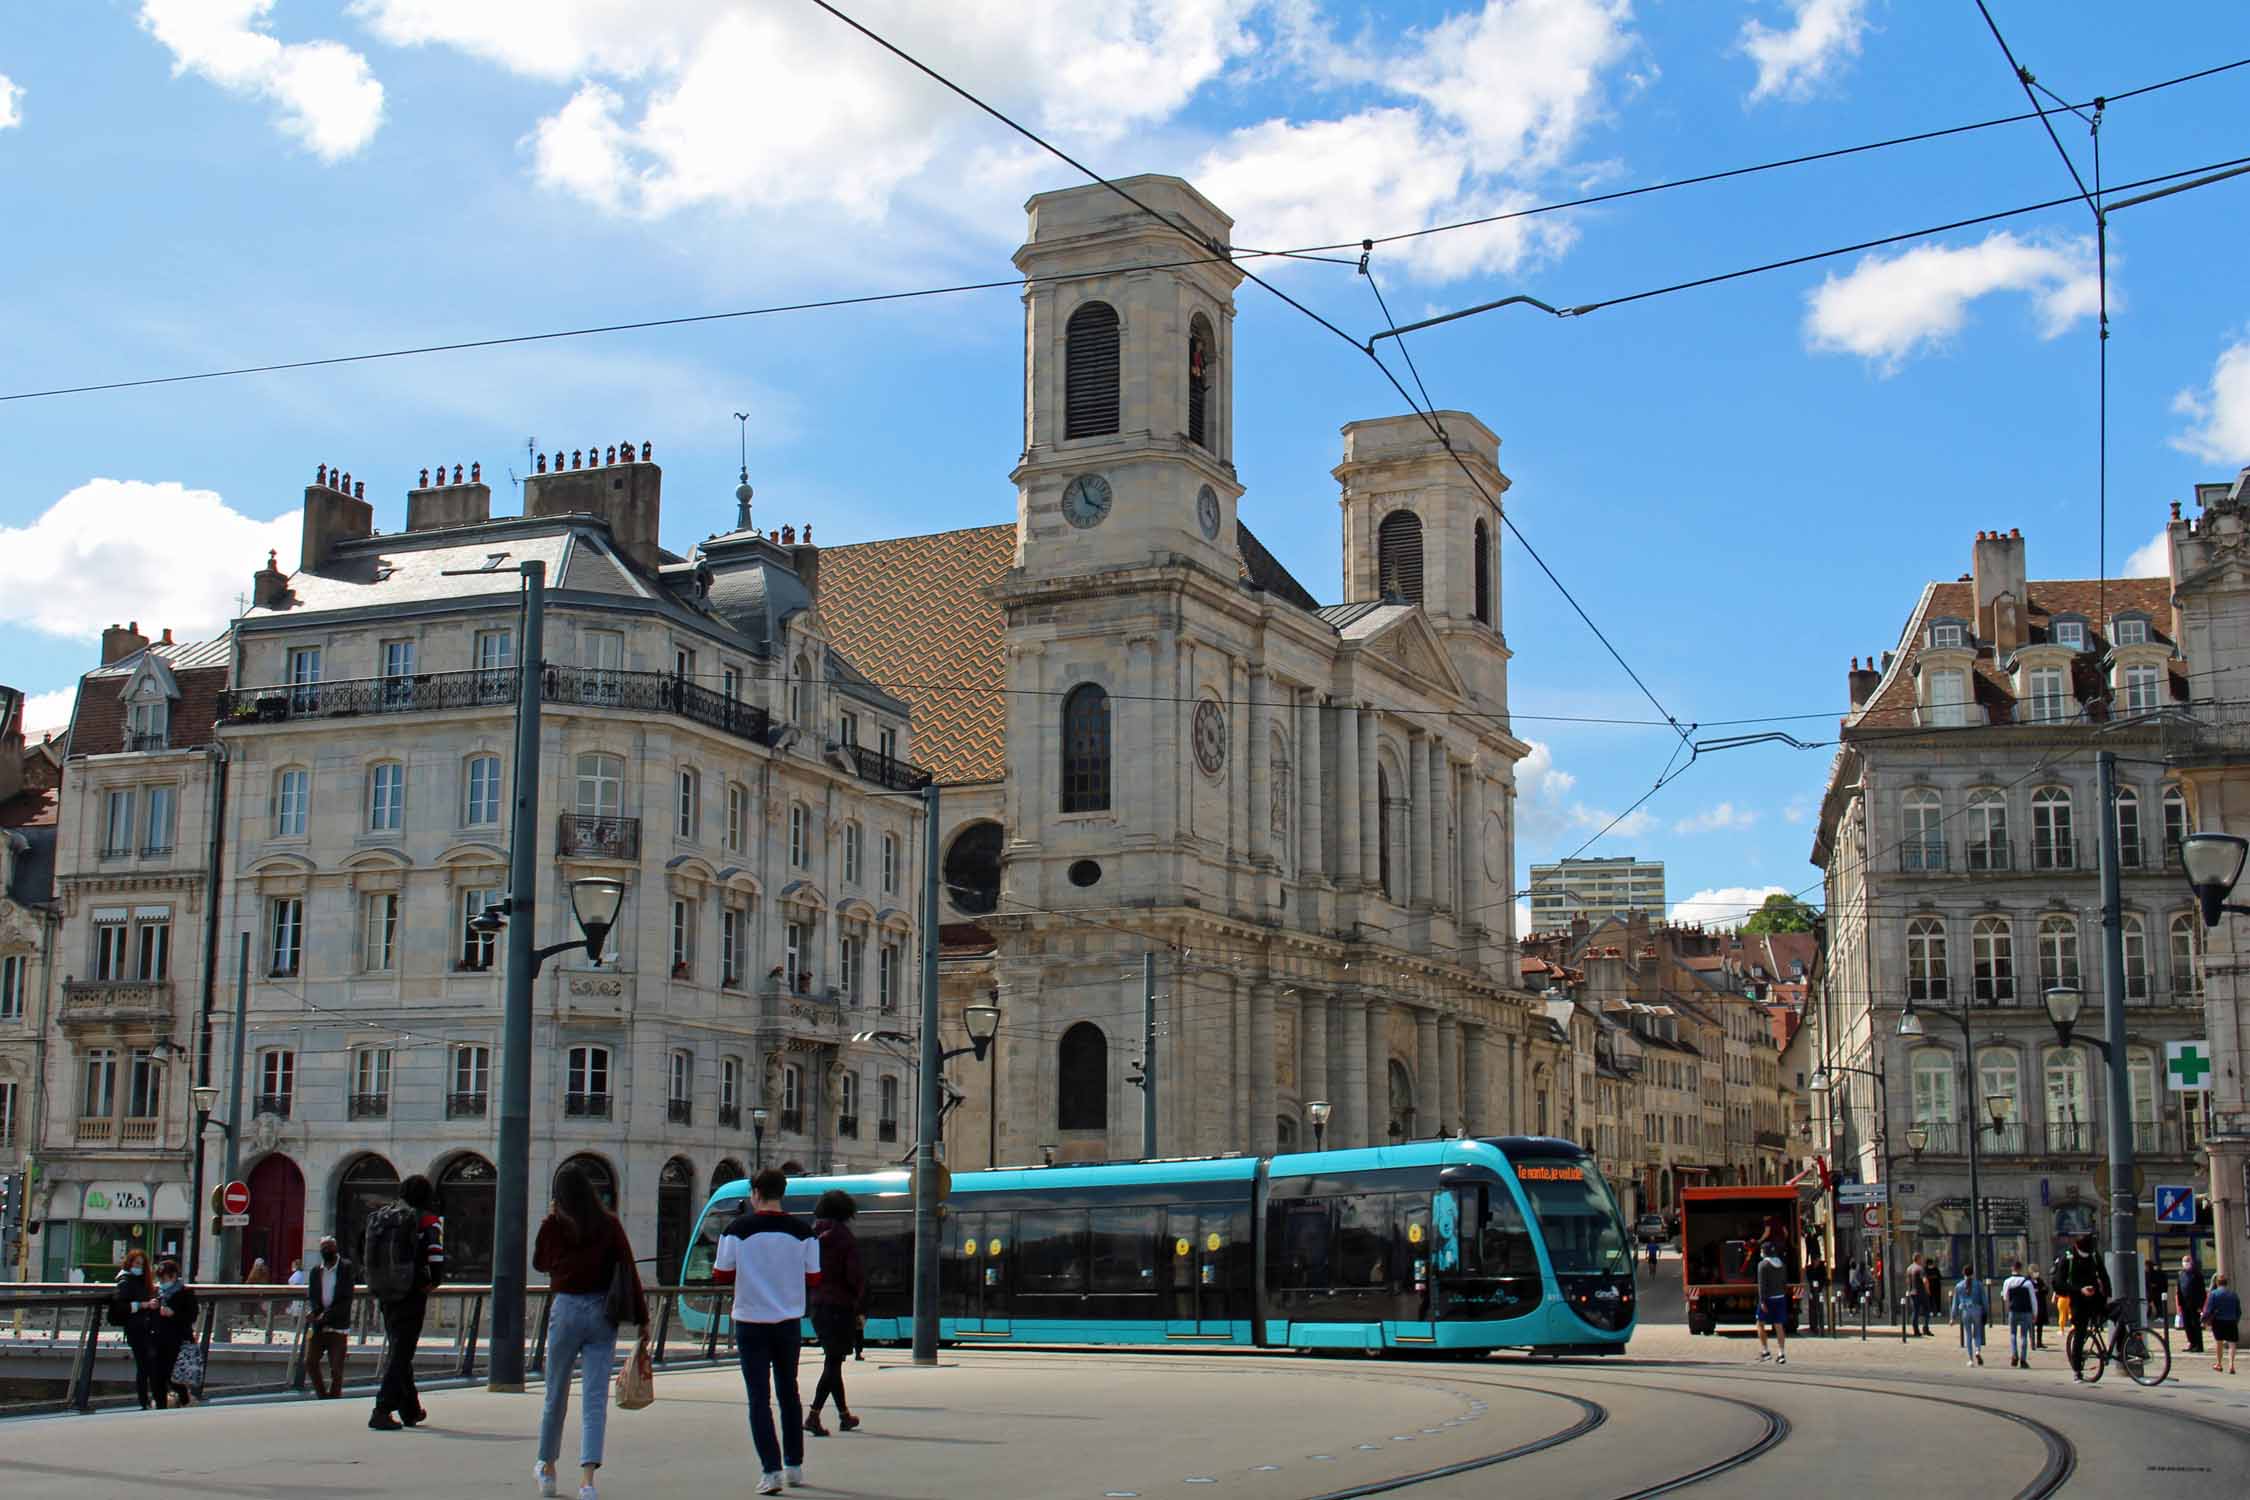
1135,750
1419,855
1309,811
1351,813
1477,1117
1441,824
1261,774
1312,1054
1475,896
1370,819
1378,1070
1262,1066
1429,1108
1449,1074
1349,1125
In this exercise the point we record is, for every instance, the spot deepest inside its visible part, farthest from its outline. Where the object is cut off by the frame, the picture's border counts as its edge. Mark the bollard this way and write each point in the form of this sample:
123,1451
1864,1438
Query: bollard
472,1323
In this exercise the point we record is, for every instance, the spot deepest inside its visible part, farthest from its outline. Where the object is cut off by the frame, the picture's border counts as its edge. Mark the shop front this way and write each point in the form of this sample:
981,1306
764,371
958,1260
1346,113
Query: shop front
92,1226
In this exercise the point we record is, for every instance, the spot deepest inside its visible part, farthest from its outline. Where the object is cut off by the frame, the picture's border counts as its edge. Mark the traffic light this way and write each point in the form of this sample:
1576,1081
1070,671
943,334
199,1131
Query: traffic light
11,1209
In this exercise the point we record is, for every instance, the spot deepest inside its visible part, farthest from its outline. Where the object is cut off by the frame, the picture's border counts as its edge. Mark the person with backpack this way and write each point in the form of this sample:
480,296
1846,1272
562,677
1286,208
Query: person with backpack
837,1304
2020,1298
402,1258
2082,1279
2046,1309
1773,1301
587,1258
2222,1310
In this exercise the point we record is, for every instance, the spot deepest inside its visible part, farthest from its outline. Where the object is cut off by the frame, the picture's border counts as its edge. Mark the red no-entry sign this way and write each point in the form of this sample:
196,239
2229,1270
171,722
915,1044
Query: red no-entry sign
234,1198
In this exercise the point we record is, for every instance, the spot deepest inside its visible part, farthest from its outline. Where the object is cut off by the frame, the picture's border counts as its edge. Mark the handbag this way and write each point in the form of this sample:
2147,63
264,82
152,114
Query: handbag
187,1369
624,1305
636,1383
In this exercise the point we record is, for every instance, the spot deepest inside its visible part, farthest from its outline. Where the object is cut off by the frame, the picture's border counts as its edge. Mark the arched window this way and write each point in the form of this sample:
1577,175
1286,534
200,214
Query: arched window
1933,1096
367,1183
1383,829
1480,544
1987,817
1926,968
2128,828
2140,1082
1998,1079
1924,845
465,1192
599,1173
1085,750
1082,1079
1398,557
1201,352
2058,952
2135,935
2052,847
1992,953
2069,1124
2176,826
2187,956
1090,354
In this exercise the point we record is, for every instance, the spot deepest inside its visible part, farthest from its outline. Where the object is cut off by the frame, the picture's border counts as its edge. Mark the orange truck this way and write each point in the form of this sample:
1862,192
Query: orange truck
1721,1229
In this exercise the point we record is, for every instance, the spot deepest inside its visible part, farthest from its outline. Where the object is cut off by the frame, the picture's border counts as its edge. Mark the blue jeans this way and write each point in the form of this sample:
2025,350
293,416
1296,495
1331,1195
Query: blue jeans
2019,1335
579,1332
771,1348
1972,1332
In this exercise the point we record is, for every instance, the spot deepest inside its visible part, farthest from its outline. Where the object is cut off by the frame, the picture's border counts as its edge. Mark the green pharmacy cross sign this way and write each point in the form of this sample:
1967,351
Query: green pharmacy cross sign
2187,1065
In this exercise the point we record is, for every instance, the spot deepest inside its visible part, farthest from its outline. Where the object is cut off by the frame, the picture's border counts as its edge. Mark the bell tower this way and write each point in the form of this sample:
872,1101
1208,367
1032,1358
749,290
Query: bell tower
1128,454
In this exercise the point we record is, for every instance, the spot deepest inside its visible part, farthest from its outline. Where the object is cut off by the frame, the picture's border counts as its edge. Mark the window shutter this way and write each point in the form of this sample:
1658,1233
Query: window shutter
1090,378
1398,556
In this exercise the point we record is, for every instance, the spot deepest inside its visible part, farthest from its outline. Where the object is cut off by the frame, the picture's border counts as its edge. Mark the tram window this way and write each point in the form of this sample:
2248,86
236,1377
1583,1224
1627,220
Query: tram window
886,1246
1121,1249
1503,1241
1051,1252
1363,1239
705,1250
1300,1231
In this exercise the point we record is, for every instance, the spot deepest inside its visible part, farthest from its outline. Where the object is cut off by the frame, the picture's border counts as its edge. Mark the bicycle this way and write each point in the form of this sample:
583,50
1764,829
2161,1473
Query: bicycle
2144,1353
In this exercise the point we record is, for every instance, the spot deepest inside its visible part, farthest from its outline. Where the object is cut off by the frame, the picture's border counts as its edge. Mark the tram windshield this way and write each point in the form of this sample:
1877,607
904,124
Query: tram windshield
1577,1215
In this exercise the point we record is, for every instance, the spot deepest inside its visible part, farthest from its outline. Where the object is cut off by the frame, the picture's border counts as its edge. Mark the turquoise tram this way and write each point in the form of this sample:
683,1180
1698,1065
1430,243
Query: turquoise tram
1464,1245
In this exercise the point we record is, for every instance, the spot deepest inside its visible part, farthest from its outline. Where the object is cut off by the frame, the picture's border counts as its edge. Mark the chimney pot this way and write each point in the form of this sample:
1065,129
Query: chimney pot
808,533
320,475
2175,510
542,468
646,450
424,482
609,455
476,473
456,473
574,458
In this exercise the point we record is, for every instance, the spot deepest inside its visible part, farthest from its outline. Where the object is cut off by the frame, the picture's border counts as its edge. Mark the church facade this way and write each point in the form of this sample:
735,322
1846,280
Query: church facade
1153,741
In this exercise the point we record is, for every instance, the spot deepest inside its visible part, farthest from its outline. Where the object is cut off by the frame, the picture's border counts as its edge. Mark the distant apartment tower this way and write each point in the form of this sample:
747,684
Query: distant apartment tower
1594,889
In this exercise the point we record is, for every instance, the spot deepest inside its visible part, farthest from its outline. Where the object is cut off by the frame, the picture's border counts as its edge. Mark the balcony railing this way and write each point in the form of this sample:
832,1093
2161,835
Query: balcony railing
96,1130
2129,854
2147,1135
586,1106
2054,854
152,739
886,1130
793,1120
1994,989
888,770
1944,1137
680,1111
1922,856
2007,1140
466,1106
2071,1137
578,836
1990,854
2206,734
1952,716
117,1000
153,851
276,1105
1931,988
370,1106
730,1116
808,1011
848,1125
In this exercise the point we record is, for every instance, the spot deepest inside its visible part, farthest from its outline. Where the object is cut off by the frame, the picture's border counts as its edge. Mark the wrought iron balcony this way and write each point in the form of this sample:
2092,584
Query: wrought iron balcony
277,1105
586,1106
886,1130
2071,1137
2055,854
888,770
1923,855
730,1116
459,1106
1991,854
578,836
117,1002
793,1120
152,739
848,1125
370,1106
680,1111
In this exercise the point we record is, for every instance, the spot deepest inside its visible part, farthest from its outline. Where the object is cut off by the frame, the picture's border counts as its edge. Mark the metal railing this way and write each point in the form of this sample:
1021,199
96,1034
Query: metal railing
2054,854
1921,855
888,770
370,1106
276,1105
586,1106
730,1115
679,1111
1991,854
580,835
460,1106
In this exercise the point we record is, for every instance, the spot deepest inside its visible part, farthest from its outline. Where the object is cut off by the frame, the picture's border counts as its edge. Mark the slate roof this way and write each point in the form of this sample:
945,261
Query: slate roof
34,882
199,669
413,567
1264,571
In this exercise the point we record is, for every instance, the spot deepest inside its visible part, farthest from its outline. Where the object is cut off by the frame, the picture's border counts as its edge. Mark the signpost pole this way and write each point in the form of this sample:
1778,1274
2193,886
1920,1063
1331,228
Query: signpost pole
230,1244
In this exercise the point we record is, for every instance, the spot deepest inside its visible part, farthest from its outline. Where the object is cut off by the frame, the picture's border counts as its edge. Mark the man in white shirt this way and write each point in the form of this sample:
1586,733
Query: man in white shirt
328,1315
2020,1299
296,1273
770,1258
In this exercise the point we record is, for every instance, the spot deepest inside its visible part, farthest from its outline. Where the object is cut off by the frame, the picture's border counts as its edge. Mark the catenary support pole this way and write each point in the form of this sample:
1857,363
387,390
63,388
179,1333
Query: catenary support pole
928,1102
512,1195
2124,1198
1148,1053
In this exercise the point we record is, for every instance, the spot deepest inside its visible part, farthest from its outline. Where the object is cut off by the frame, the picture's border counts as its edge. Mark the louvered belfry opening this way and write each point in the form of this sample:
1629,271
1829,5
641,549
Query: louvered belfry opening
1483,542
1398,556
1199,381
1090,384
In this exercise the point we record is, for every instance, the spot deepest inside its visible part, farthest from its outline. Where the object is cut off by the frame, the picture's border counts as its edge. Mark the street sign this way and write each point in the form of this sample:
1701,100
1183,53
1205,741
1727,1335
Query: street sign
234,1221
2175,1205
234,1200
2187,1066
1871,1217
1860,1194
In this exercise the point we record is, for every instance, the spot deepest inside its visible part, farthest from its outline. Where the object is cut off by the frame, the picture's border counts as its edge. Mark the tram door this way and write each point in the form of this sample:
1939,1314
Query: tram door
982,1244
1199,1249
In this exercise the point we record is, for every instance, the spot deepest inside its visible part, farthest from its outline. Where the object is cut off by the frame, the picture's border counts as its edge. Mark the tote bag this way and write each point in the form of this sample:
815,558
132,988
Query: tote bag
636,1383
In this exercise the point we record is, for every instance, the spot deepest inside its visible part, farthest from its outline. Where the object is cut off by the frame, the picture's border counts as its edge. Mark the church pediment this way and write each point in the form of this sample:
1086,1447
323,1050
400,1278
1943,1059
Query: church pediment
1407,643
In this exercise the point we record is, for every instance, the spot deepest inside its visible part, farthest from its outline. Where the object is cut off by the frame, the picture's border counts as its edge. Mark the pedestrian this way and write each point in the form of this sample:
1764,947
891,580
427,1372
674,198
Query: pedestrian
1773,1301
132,1307
1933,1292
2157,1282
259,1273
2019,1297
583,1249
328,1309
1862,1285
402,1258
1651,1247
2192,1293
836,1304
859,1338
1970,1306
2046,1308
771,1258
2081,1277
174,1329
1917,1301
297,1276
2222,1309
1816,1285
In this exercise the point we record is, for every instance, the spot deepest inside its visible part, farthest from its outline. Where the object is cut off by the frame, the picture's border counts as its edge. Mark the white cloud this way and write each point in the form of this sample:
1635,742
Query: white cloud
44,711
2152,559
11,103
675,104
326,96
1888,308
170,556
1725,906
1799,809
2221,413
1551,819
1713,820
1793,61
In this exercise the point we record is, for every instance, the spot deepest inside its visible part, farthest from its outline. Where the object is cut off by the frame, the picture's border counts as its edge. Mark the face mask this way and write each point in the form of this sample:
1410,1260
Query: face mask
169,1283
328,1257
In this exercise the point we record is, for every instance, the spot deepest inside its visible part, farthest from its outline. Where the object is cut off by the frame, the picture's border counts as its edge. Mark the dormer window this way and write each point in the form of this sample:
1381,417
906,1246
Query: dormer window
2046,695
2071,633
1948,635
148,723
2142,686
2132,631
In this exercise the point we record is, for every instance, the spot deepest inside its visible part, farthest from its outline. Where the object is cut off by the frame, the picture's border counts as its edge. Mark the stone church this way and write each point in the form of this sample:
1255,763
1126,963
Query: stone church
1152,739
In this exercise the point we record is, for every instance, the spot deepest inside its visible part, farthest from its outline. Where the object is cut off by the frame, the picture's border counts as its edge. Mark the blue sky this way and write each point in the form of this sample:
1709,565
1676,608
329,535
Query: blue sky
1747,483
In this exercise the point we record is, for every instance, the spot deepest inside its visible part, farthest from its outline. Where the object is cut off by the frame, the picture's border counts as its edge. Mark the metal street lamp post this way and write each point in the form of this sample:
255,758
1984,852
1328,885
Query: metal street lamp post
1910,1025
206,1097
757,1137
1318,1112
1821,1083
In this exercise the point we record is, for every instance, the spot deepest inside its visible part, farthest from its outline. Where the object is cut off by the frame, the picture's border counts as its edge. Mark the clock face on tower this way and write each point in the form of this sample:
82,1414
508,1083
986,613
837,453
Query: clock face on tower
1085,501
1210,737
1207,513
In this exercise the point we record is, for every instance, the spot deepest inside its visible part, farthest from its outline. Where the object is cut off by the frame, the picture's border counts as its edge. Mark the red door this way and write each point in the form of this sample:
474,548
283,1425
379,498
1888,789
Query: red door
276,1232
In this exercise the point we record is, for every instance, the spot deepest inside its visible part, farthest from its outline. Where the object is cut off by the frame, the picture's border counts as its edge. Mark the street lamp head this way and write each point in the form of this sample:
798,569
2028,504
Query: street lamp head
1910,1024
758,1114
1818,1083
206,1099
1318,1111
2063,1006
2001,1106
1917,1138
490,920
595,900
983,1022
2213,862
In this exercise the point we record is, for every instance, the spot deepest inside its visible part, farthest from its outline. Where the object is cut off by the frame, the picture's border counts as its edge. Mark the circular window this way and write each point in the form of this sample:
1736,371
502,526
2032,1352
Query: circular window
972,869
1085,872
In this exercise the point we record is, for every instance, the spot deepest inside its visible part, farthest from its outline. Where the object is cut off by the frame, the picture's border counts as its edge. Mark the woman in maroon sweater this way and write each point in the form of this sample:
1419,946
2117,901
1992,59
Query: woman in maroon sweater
835,1302
580,1247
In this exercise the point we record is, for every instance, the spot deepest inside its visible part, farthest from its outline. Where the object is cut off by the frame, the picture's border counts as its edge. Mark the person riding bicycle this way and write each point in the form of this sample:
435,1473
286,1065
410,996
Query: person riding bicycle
2081,1277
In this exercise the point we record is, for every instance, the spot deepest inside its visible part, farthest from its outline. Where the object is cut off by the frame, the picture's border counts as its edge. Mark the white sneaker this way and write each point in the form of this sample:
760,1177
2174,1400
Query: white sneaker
769,1484
794,1473
543,1479
585,1492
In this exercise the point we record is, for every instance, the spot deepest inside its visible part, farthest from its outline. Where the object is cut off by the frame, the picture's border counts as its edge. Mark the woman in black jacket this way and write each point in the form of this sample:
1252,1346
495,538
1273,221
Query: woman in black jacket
133,1308
836,1303
174,1327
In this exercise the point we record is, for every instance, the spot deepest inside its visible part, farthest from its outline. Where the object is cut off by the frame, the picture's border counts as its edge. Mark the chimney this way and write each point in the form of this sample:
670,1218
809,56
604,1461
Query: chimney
806,558
448,500
118,644
335,513
269,586
1997,567
613,484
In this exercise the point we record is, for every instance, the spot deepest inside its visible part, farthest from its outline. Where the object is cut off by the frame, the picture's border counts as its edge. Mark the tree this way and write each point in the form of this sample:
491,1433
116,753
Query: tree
1781,913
